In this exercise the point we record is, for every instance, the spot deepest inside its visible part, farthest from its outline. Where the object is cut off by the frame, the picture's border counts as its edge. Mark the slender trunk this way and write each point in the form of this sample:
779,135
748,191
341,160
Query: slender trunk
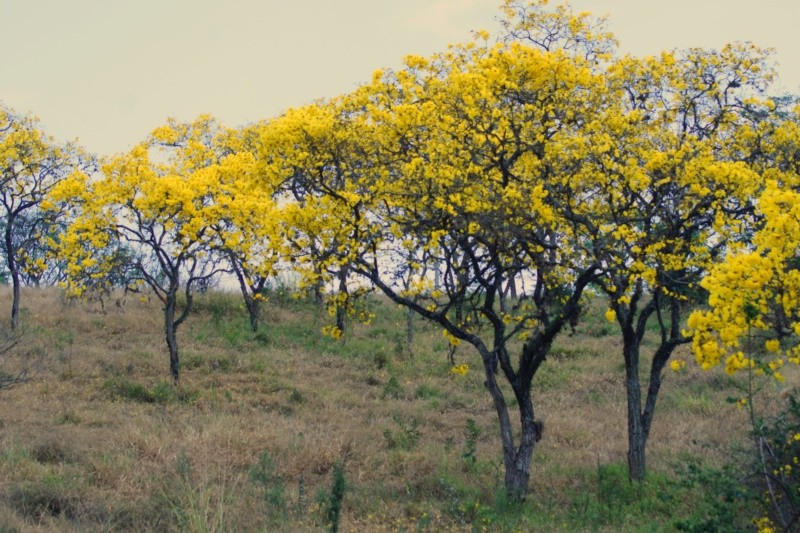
637,438
410,332
341,311
15,299
660,359
170,330
642,410
512,288
319,299
517,478
250,302
14,271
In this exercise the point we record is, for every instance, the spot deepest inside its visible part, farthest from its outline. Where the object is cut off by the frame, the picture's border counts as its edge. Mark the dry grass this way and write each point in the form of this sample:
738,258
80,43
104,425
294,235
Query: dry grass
99,440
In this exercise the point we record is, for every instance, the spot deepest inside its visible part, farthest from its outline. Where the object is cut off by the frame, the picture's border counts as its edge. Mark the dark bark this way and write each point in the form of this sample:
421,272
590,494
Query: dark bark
637,440
254,310
13,269
170,330
250,301
516,460
341,310
319,299
410,332
640,417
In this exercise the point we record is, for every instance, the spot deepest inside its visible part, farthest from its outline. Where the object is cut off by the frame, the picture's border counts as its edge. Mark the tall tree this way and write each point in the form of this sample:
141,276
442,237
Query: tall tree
447,162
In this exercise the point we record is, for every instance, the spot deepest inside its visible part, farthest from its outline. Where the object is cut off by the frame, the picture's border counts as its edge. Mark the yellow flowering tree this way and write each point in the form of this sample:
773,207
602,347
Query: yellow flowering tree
306,157
752,322
659,194
445,165
245,218
32,164
158,200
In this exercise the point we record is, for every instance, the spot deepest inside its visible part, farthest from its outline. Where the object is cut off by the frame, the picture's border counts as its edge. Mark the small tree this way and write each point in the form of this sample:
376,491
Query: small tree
31,165
247,224
163,212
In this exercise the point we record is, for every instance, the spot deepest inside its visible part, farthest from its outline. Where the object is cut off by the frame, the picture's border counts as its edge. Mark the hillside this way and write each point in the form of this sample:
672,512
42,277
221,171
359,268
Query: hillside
100,440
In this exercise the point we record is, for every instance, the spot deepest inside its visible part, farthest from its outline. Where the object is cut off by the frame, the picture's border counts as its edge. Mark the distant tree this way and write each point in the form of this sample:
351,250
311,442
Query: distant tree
247,224
162,209
31,164
304,156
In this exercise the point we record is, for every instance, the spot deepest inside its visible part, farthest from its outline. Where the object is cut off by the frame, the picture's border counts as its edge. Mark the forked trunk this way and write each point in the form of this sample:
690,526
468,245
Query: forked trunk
640,414
516,460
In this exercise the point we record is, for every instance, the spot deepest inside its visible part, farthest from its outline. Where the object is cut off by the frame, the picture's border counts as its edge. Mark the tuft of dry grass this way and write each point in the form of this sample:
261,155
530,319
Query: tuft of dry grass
100,440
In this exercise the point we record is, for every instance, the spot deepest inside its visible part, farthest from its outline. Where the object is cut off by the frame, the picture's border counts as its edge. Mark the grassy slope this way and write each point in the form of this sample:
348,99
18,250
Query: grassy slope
100,441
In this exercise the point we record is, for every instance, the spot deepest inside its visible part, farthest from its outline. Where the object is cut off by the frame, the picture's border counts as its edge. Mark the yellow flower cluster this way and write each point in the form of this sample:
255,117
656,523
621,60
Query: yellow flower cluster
755,291
460,370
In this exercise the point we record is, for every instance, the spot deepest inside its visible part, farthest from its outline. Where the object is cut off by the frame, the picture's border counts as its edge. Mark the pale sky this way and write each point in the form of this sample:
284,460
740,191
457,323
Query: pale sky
107,72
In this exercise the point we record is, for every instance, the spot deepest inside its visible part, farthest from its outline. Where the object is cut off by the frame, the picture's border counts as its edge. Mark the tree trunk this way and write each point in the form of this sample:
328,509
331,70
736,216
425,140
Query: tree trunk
250,302
170,330
637,438
253,309
517,461
319,299
341,311
410,332
518,476
14,271
15,299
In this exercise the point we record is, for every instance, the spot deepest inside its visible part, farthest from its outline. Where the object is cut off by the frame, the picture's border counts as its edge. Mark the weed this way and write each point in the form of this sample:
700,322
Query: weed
719,499
263,476
426,391
332,501
121,388
393,389
296,397
380,359
68,417
471,435
162,393
404,439
50,452
199,506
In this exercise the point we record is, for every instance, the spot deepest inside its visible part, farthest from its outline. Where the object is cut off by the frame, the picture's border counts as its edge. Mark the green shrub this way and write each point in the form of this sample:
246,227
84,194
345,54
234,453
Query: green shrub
331,501
393,389
471,435
263,476
405,438
720,500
